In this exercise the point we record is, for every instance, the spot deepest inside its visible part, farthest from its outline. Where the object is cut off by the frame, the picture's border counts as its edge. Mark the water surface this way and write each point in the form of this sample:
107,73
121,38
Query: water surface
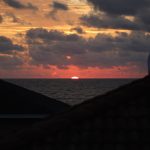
71,91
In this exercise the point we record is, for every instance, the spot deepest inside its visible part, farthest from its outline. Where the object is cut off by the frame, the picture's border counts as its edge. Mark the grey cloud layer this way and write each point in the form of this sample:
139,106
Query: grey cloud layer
52,47
8,59
10,62
17,5
7,46
121,7
106,21
114,12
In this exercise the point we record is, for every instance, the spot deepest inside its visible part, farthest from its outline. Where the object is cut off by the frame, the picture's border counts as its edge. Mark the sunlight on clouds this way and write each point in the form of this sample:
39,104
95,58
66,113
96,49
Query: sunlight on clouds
15,23
130,18
25,19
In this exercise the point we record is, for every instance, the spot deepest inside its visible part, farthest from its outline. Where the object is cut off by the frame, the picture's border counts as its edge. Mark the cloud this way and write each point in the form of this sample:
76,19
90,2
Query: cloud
114,12
79,30
15,19
10,62
50,36
57,6
52,48
54,45
7,46
106,21
121,7
17,5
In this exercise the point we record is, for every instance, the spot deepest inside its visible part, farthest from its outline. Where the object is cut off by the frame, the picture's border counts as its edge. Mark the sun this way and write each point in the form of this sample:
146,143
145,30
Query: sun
75,78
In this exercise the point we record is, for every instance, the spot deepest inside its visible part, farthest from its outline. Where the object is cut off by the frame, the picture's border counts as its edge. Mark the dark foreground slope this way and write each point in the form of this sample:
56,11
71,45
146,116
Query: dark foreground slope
118,120
20,108
18,100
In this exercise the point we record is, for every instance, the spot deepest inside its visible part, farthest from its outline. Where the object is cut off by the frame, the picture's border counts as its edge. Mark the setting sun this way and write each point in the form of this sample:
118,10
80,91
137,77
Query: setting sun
74,78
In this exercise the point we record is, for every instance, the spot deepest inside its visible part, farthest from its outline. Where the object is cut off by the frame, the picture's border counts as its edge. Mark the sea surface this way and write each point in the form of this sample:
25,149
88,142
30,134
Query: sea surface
71,91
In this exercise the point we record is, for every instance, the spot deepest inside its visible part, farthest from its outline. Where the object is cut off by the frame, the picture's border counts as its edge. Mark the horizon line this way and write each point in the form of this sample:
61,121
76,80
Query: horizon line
71,79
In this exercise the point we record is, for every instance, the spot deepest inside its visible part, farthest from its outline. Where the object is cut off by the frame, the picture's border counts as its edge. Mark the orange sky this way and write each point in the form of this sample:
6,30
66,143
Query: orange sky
66,20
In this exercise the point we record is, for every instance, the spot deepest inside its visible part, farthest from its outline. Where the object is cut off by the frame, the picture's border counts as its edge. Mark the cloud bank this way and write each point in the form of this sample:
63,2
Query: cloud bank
114,12
7,46
104,51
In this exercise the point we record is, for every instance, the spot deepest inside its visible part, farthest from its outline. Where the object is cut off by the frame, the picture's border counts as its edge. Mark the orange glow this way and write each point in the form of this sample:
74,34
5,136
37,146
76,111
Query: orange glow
54,72
31,71
75,78
16,22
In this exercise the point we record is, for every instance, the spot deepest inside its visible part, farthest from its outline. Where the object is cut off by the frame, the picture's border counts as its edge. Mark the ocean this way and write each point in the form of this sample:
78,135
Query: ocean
71,91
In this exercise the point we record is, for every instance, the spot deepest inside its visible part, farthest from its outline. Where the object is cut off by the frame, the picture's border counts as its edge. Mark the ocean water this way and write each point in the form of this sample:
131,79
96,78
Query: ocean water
71,91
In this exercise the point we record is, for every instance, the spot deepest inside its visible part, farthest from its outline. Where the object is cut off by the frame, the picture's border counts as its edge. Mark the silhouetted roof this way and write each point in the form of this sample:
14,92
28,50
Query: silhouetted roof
118,120
18,100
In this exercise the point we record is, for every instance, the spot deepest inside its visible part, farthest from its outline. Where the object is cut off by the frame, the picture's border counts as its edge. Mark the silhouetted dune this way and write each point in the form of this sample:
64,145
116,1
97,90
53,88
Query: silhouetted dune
118,120
18,100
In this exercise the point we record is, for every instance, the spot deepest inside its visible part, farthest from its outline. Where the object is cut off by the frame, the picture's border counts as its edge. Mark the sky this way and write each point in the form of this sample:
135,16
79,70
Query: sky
65,38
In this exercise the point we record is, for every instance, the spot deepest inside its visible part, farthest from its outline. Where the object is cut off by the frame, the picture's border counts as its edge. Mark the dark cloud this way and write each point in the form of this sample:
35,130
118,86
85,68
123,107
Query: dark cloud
114,12
57,6
7,46
10,62
144,17
139,23
53,35
121,7
79,30
106,21
52,47
17,5
8,56
135,42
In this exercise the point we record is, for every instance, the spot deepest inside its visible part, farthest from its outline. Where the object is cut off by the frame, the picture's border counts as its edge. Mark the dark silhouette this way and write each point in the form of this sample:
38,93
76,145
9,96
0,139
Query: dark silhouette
18,100
149,64
118,120
20,108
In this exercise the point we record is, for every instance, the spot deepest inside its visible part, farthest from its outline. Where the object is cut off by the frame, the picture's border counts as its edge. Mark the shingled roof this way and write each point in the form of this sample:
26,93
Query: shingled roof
18,100
118,120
